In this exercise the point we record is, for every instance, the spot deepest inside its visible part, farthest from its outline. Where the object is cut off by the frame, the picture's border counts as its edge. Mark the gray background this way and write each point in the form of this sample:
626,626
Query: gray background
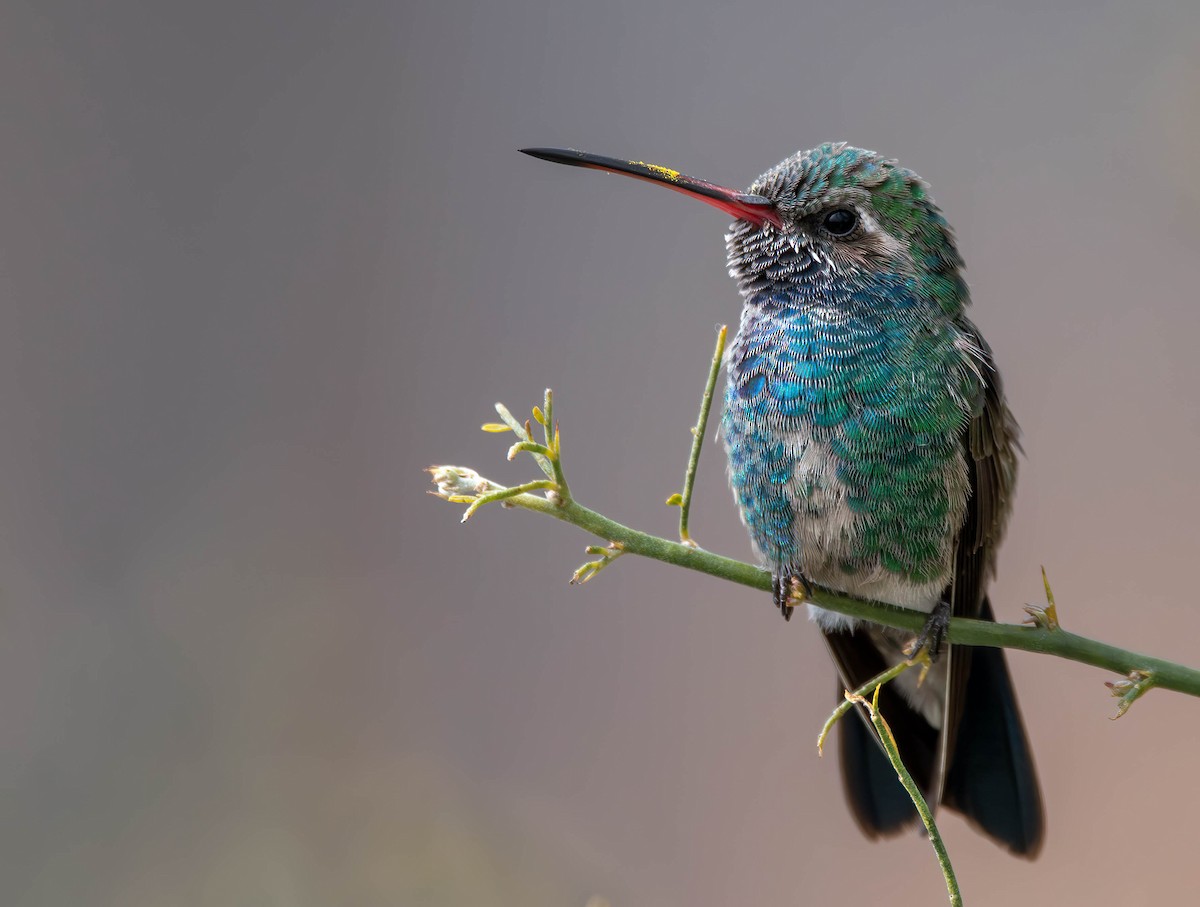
262,264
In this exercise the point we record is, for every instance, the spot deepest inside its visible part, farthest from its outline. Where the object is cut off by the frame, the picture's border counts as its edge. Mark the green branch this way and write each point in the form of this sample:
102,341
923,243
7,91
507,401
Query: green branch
852,696
466,486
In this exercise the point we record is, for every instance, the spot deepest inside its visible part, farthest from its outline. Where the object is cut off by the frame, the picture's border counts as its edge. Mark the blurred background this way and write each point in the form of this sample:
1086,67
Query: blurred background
262,263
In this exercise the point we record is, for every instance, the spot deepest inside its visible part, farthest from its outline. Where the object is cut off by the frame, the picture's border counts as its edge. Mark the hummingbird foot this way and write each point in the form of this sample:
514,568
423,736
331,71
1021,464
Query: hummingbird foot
931,635
788,587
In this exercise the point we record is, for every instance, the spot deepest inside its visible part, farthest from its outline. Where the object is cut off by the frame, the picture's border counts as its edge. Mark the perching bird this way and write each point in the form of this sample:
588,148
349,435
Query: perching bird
871,452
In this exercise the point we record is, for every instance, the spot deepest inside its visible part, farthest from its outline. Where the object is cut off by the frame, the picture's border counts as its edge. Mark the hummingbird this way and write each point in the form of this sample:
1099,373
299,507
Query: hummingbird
871,451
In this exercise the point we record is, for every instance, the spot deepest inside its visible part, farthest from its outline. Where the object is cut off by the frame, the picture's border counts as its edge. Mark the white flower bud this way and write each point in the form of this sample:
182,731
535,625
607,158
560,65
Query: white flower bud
453,480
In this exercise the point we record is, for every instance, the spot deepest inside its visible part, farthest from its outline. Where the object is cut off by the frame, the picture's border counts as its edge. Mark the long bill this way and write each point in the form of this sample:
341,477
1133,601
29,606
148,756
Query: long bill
753,208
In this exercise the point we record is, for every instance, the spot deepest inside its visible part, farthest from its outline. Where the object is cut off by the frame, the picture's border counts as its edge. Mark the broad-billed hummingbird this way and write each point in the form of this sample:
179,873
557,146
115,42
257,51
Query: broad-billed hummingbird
871,451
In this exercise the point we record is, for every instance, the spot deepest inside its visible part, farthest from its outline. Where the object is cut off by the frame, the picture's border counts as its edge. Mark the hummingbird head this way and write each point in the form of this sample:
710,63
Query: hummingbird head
832,217
849,217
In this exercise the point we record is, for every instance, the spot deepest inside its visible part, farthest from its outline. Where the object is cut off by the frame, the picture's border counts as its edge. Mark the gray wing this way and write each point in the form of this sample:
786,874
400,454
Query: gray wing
986,768
991,446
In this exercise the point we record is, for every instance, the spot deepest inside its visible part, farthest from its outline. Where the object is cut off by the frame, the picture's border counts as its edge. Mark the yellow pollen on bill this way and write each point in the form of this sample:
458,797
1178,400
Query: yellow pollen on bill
661,171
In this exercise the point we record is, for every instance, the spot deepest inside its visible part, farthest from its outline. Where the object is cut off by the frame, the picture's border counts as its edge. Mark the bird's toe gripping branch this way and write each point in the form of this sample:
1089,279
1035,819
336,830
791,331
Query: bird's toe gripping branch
929,640
788,591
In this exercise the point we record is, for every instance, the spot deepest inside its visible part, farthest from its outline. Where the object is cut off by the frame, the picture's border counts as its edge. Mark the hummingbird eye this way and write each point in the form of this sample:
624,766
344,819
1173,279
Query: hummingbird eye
840,222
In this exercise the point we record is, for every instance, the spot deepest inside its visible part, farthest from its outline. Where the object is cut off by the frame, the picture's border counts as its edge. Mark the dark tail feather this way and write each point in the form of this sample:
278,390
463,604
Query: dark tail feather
991,779
878,801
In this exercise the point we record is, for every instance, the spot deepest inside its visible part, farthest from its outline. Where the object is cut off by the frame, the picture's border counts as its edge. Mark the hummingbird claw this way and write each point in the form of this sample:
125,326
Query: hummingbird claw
934,631
786,588
781,591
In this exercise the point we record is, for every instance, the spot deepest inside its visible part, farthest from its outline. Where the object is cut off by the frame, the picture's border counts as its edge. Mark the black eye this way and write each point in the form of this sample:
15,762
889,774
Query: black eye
840,222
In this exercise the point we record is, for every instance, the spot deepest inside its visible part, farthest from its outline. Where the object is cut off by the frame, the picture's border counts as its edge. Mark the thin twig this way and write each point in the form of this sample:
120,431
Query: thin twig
689,479
888,741
520,431
848,703
914,792
502,494
554,442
